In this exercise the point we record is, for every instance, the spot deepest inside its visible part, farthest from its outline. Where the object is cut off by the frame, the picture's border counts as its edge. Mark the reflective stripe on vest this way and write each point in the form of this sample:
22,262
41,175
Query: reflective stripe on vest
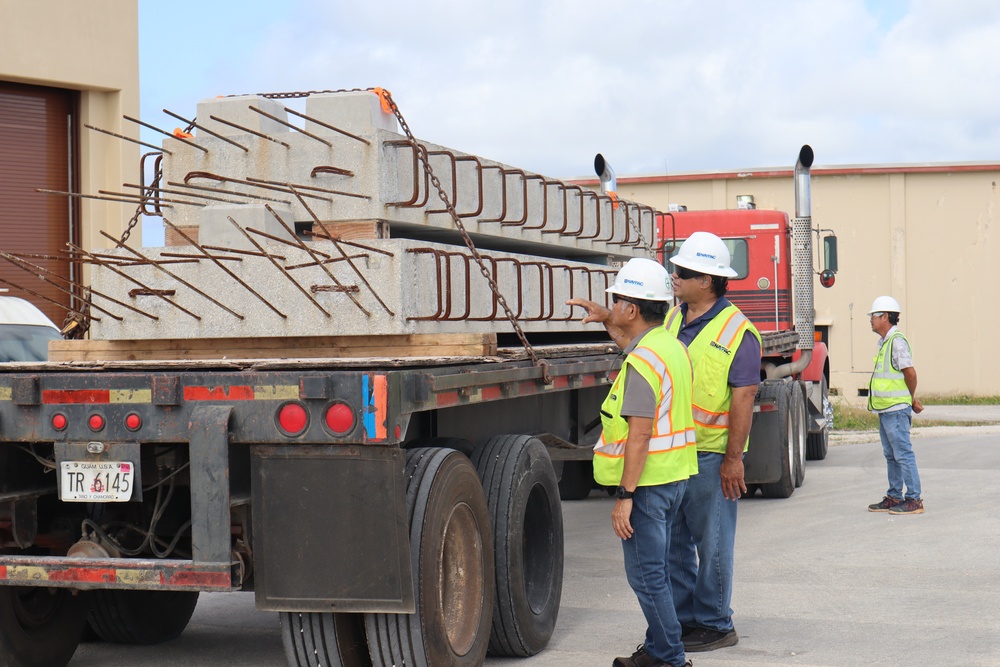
663,362
888,385
712,352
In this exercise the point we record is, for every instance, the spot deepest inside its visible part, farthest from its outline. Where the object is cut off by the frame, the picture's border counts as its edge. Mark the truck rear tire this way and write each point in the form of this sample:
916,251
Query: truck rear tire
451,551
817,444
523,498
577,480
40,627
800,415
141,617
785,486
334,640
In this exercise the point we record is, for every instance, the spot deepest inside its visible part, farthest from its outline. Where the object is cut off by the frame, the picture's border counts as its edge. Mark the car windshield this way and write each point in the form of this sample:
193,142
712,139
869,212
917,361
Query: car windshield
25,342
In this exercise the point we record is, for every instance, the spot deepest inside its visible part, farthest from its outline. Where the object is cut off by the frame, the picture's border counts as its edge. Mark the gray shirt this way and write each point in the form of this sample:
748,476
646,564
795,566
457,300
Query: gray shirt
638,399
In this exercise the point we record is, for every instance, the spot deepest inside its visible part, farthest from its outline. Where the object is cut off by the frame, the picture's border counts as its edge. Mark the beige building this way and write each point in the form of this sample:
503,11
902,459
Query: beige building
925,234
64,65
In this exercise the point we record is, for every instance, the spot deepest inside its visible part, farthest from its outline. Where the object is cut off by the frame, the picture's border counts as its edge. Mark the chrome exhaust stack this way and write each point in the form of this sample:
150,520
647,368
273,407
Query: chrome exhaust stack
609,182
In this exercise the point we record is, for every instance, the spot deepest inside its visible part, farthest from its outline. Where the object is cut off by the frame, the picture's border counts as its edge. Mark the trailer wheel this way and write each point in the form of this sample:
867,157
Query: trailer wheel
817,444
801,430
334,640
40,627
523,497
577,480
785,486
141,617
451,551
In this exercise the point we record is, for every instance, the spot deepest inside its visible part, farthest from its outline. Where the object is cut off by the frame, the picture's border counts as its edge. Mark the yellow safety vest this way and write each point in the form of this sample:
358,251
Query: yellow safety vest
888,385
712,352
663,362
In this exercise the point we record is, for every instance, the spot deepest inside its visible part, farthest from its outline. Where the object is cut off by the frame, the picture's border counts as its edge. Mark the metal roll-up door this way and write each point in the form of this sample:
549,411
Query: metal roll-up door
38,150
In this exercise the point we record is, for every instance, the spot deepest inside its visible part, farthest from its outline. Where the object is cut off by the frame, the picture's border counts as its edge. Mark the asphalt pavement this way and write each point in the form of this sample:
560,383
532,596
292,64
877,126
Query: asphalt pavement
820,581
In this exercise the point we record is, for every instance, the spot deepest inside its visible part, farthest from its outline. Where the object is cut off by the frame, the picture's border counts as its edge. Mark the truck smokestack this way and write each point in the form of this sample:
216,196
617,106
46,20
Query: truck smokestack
609,182
803,194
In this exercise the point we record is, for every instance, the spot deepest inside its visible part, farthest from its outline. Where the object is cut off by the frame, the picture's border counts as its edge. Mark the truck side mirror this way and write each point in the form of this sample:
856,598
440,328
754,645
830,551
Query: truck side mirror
830,253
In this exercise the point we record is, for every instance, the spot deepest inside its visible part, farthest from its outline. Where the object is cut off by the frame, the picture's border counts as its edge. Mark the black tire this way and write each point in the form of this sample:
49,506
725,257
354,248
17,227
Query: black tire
141,617
451,552
40,627
785,486
523,498
577,480
817,444
800,415
332,640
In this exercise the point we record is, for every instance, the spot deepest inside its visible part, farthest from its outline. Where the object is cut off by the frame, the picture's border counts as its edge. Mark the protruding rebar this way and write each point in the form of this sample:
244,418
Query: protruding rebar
327,126
228,192
219,264
172,275
80,195
120,136
204,129
287,124
248,130
164,132
240,181
49,299
307,187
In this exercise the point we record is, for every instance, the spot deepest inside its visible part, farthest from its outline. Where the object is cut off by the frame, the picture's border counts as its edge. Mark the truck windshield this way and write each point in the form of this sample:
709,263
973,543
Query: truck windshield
25,342
738,251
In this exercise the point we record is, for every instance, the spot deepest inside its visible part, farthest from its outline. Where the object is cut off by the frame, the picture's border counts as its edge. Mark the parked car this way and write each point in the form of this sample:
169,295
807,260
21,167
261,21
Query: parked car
25,331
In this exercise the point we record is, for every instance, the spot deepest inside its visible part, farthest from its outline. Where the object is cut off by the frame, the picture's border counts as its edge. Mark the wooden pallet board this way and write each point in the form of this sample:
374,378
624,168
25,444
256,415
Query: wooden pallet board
412,345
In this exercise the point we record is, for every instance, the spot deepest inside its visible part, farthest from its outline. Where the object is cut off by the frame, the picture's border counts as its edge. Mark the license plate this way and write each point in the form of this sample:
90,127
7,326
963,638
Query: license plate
96,481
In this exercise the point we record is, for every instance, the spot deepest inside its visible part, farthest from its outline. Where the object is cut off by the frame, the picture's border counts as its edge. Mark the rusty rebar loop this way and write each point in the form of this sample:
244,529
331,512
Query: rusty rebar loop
219,264
503,194
123,137
129,278
239,181
416,173
443,265
615,203
164,132
290,125
455,159
336,244
156,265
308,187
204,129
38,271
546,376
496,278
143,209
597,206
524,195
80,195
328,169
579,200
327,126
545,182
235,193
248,130
565,206
278,266
37,295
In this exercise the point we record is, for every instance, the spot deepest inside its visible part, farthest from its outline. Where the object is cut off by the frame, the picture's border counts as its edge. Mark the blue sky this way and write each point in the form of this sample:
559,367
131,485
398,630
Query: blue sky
655,85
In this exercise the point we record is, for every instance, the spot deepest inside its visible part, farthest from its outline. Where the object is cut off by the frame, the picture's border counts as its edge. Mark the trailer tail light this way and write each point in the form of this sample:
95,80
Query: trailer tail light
293,418
133,422
96,422
340,418
59,422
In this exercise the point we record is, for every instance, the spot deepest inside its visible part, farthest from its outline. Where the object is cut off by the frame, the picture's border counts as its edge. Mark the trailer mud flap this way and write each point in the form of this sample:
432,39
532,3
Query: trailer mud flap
330,529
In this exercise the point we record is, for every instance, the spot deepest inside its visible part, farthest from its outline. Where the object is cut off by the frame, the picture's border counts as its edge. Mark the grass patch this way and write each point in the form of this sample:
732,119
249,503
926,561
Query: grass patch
958,399
846,418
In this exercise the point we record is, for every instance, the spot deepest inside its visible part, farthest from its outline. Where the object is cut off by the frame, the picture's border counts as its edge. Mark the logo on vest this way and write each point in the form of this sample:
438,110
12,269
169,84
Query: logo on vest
720,347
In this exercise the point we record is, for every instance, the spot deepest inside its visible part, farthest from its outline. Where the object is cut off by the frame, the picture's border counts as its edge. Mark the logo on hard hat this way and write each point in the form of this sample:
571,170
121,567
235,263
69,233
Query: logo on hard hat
705,254
629,281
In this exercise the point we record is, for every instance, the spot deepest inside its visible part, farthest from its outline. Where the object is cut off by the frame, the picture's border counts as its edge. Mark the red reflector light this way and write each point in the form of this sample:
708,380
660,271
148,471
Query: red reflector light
133,422
340,418
59,422
293,418
96,422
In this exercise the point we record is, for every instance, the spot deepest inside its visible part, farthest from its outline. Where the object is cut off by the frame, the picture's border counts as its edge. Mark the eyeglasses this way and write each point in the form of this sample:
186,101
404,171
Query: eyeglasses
878,314
686,274
615,298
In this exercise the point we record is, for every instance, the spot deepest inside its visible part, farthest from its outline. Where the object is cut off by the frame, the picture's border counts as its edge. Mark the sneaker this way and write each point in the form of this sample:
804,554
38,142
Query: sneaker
641,659
884,506
705,639
909,506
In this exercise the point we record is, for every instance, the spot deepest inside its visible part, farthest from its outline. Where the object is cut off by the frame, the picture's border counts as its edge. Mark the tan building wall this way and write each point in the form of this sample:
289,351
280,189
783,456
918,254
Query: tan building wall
92,47
927,235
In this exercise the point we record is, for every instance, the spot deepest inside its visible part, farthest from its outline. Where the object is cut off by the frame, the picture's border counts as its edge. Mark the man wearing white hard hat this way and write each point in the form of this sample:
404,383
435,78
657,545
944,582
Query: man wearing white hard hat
892,396
647,447
725,352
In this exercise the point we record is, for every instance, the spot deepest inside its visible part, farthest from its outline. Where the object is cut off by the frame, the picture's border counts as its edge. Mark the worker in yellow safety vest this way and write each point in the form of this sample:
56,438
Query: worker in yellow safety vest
646,451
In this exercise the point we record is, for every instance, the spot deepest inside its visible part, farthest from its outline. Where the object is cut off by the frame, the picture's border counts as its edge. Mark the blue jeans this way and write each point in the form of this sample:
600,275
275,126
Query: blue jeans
702,549
653,512
894,429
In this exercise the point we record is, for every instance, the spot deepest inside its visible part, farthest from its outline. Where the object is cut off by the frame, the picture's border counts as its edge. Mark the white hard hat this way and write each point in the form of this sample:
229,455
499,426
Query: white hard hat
884,304
705,253
643,278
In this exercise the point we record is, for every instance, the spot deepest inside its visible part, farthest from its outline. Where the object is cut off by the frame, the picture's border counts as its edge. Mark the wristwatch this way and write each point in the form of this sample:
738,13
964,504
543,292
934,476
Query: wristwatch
622,494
